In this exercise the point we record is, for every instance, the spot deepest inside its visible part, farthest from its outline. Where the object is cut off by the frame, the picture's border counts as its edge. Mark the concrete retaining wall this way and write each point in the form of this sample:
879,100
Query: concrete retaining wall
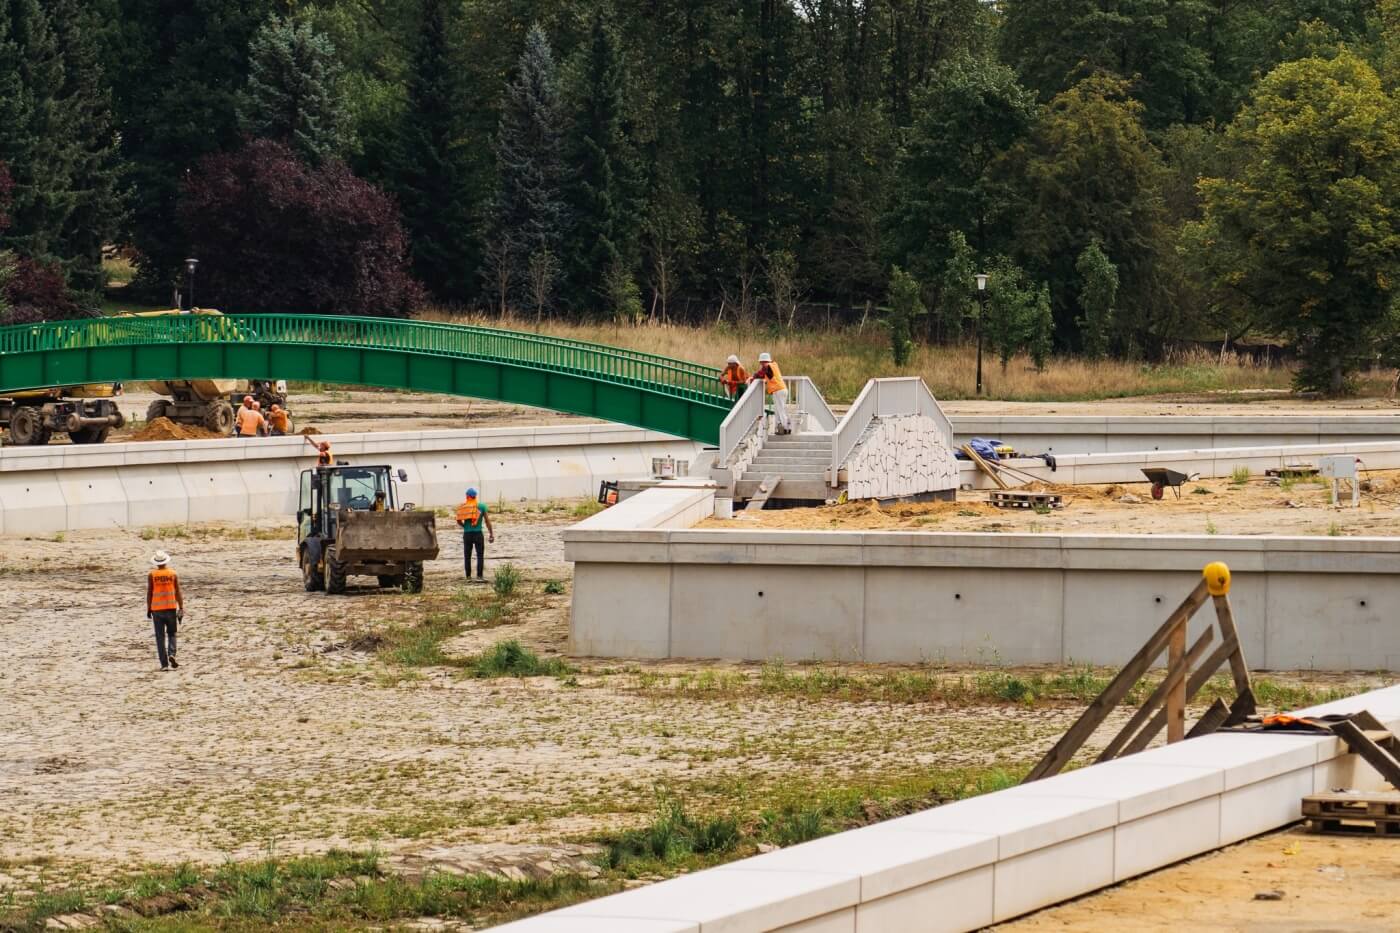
965,865
1126,466
63,488
910,597
1067,434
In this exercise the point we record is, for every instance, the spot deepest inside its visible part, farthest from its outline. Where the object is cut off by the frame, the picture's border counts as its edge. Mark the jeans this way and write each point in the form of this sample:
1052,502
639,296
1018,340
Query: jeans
477,540
780,412
165,623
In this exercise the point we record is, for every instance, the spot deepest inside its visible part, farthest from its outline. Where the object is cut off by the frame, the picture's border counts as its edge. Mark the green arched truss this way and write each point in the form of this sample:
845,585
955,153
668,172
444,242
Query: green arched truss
625,386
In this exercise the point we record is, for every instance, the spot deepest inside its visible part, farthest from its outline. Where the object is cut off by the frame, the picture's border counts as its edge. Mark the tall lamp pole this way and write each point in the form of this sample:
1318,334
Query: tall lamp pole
981,318
188,304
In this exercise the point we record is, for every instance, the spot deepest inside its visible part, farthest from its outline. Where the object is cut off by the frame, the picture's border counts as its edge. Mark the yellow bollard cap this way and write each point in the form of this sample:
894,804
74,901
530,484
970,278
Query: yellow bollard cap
1217,578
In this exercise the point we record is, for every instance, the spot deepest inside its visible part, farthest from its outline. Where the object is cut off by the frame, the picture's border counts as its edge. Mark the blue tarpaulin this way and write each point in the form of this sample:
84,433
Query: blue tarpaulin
986,448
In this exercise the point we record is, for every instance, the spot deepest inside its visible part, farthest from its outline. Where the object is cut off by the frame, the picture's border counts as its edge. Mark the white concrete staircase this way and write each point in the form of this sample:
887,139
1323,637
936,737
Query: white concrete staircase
801,460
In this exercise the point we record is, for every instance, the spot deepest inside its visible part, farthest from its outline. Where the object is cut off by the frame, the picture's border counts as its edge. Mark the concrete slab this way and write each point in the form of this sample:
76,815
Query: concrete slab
94,498
216,491
32,503
155,495
960,902
621,611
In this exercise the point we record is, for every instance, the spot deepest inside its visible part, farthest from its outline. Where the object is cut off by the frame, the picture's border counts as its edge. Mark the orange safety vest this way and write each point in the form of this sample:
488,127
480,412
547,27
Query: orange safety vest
248,421
163,597
324,458
469,512
774,382
280,421
733,376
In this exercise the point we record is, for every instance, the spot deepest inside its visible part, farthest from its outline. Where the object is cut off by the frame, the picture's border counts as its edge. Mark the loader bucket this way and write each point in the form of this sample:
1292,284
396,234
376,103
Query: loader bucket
386,536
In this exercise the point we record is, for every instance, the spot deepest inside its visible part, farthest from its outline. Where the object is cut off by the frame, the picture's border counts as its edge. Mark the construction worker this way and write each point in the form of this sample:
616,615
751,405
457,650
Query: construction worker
165,607
238,415
471,514
250,422
279,420
773,384
262,428
734,376
381,503
323,451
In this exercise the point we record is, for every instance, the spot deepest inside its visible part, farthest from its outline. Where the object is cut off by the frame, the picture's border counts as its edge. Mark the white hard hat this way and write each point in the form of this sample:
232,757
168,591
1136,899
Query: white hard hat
732,359
765,358
160,559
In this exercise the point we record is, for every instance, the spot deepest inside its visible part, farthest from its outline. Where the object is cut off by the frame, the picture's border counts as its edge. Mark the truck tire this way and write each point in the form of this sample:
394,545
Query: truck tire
218,416
335,574
311,577
27,427
89,435
160,408
413,577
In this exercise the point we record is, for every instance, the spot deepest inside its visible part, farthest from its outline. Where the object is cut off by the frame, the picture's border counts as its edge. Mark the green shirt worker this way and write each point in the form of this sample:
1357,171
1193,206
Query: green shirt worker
471,516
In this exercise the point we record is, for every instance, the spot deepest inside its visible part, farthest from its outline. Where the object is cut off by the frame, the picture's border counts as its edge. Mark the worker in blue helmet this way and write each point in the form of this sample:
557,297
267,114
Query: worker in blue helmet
472,517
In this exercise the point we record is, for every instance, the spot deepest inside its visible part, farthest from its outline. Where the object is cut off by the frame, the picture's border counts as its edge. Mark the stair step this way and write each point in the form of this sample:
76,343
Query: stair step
769,458
809,490
787,476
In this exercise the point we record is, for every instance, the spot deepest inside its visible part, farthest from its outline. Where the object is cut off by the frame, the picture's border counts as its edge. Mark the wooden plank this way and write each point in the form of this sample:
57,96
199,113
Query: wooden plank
1211,720
765,489
1158,696
1176,696
1225,618
984,466
1193,686
1375,756
1113,694
1243,707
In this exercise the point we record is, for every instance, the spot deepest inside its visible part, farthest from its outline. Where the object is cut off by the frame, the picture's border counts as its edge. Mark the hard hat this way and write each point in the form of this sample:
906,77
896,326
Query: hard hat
471,493
765,358
160,559
732,359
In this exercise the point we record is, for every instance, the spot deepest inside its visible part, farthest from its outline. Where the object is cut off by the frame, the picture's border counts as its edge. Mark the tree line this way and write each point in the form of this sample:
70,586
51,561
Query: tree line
1126,172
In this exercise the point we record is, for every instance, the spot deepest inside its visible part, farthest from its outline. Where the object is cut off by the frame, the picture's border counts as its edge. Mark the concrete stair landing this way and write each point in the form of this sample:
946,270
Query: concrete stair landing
801,459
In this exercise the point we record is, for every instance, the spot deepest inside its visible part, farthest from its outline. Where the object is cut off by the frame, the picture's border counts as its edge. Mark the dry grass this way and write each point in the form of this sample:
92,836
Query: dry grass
841,360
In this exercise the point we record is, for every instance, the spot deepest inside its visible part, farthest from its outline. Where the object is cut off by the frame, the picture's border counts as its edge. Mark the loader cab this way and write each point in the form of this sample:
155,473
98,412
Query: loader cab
325,490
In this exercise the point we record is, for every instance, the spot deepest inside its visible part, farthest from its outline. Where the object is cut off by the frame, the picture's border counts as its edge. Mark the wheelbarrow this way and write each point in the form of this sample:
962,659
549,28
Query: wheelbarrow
1161,478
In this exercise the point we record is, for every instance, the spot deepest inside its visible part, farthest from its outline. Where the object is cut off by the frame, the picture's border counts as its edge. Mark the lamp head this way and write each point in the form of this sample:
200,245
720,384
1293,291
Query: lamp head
981,281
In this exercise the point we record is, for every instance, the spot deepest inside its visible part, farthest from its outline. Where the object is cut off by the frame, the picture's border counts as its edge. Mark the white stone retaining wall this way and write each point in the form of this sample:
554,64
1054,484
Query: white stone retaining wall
1069,434
910,597
902,455
965,865
62,487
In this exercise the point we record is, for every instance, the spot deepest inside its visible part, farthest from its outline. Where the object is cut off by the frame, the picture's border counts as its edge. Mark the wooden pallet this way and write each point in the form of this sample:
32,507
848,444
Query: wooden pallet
1011,499
1301,471
1368,813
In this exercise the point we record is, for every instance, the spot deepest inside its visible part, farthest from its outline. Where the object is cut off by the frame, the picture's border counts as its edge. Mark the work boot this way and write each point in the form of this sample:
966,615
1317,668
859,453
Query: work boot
163,668
173,662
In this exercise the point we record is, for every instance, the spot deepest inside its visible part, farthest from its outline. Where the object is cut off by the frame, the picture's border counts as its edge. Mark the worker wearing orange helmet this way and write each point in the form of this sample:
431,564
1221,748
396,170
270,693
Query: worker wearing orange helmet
250,421
323,451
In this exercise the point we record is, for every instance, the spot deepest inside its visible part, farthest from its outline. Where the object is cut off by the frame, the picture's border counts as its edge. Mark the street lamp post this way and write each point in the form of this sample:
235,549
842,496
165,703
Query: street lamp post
981,318
188,303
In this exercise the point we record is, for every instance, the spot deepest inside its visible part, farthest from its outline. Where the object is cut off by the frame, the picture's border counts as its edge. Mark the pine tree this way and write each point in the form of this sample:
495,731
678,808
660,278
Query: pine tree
603,194
530,215
98,197
293,93
430,164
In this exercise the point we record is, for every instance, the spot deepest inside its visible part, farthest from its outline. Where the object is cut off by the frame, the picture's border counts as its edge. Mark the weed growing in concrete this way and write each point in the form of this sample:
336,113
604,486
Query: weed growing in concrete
505,580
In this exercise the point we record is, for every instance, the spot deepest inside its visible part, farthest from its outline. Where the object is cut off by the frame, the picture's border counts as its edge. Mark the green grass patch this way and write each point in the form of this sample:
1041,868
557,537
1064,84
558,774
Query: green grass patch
505,580
554,588
1239,476
510,659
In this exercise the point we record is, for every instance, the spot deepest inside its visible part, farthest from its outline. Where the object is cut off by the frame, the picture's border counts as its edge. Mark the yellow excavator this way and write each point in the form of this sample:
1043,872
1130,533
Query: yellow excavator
87,414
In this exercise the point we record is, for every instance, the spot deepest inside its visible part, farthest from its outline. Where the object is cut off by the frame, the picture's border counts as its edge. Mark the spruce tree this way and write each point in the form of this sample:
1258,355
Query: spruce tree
603,194
293,94
430,168
530,215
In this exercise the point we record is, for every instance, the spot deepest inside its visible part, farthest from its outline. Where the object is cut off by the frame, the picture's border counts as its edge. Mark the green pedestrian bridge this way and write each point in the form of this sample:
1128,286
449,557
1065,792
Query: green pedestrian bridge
613,384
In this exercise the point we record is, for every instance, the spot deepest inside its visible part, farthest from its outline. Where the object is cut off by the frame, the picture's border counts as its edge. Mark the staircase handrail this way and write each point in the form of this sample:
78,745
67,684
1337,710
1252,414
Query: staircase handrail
740,421
808,398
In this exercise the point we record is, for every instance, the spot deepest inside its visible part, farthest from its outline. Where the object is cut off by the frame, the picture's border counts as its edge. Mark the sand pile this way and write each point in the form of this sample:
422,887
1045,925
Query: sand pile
163,429
308,432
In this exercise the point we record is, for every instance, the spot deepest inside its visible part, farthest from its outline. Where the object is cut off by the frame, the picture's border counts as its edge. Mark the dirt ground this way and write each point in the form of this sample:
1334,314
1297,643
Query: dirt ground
364,410
1217,506
1328,883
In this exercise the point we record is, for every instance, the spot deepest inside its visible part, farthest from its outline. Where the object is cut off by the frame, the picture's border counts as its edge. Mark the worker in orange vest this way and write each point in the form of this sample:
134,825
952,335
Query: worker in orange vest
323,451
165,607
471,515
734,376
279,419
773,384
250,421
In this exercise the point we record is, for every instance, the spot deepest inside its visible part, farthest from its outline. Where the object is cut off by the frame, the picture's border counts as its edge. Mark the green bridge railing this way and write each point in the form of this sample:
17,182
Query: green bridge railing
535,351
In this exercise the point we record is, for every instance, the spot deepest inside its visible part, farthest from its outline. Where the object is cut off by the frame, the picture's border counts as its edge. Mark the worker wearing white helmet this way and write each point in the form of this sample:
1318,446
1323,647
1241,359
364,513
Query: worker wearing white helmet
772,377
734,376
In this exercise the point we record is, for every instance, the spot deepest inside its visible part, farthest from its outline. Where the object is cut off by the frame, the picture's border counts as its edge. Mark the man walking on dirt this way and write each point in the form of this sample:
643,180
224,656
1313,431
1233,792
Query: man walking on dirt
471,515
165,607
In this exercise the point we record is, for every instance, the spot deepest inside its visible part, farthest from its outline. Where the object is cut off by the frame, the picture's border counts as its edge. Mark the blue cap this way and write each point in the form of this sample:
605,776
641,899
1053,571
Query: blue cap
471,493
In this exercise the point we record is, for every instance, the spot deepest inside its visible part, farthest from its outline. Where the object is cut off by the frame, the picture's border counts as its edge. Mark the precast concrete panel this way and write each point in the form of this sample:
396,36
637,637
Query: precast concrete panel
615,461
621,610
561,472
216,490
962,615
273,487
94,498
444,477
32,503
155,495
767,612
506,475
1333,621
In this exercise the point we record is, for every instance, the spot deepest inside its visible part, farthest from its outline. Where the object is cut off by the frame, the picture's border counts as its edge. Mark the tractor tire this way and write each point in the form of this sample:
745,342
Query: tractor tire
311,577
27,427
160,408
335,574
218,416
89,435
413,577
